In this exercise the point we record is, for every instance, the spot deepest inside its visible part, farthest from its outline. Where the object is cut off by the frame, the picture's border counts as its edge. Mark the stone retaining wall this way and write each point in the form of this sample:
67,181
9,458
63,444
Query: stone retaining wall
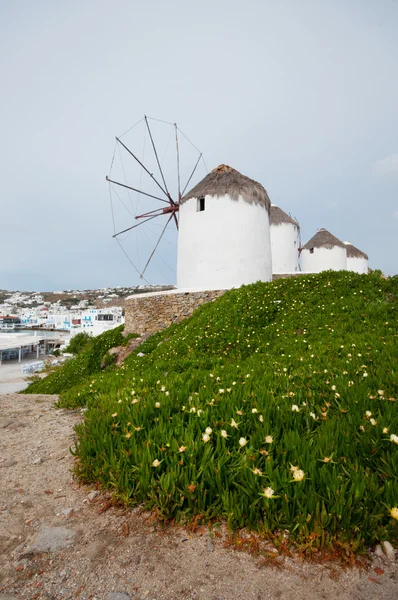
148,313
287,275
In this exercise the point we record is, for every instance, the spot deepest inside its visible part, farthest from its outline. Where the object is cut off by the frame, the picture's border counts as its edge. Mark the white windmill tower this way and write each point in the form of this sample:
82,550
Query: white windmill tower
224,233
357,260
284,241
322,252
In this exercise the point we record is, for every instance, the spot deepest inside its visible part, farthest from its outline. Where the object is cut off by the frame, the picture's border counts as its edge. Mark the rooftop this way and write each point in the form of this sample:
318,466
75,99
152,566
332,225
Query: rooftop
278,216
323,239
353,252
226,181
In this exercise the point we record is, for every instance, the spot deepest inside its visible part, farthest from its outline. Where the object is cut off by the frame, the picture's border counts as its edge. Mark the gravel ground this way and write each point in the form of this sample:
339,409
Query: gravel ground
59,540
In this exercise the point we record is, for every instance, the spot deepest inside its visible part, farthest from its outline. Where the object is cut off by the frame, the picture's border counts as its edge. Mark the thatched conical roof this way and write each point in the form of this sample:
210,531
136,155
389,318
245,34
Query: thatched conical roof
353,252
323,239
278,216
226,181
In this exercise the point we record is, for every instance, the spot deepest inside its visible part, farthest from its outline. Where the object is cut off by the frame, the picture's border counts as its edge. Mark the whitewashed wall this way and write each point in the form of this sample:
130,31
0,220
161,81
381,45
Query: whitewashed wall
284,248
323,259
224,246
358,264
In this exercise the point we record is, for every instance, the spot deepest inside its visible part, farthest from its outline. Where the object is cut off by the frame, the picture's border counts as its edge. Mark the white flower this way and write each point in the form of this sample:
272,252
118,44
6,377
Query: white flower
163,389
234,423
157,404
373,421
394,438
333,387
298,475
224,434
261,418
211,375
205,437
385,430
243,441
254,411
114,415
268,439
167,393
192,410
295,408
182,449
365,374
368,413
208,430
156,463
257,471
221,391
313,415
268,492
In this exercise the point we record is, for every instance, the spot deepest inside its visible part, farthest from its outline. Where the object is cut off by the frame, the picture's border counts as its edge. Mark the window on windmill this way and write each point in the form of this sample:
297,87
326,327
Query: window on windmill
311,250
201,204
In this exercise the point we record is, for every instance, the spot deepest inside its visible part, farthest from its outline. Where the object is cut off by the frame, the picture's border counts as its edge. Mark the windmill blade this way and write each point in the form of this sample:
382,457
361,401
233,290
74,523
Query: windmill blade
156,155
136,190
134,226
192,174
143,166
157,244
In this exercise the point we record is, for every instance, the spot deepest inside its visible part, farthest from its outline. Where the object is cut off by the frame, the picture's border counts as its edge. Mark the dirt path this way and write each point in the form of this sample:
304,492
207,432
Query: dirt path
55,543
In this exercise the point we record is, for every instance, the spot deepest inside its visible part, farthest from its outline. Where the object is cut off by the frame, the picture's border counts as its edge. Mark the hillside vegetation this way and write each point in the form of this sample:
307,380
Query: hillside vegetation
273,407
91,352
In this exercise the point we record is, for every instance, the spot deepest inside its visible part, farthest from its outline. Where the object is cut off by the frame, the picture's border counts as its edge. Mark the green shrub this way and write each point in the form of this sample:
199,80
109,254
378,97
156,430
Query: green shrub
78,343
85,364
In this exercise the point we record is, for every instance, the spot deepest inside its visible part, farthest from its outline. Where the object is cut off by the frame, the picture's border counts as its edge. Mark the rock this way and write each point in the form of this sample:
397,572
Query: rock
140,354
51,539
210,545
67,512
117,596
379,551
8,463
388,551
7,597
92,495
37,461
5,423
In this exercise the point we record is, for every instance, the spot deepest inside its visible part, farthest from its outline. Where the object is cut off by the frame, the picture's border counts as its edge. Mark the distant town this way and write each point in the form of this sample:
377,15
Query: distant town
67,310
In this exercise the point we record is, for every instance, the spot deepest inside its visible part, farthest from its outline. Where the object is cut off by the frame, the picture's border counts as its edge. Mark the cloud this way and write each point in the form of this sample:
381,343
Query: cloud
387,166
395,214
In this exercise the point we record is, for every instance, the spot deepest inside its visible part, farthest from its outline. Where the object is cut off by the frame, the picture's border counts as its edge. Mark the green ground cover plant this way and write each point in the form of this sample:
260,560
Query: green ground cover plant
273,408
90,351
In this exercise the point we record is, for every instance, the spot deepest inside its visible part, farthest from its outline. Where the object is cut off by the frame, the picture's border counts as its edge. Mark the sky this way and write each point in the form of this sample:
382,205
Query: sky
301,96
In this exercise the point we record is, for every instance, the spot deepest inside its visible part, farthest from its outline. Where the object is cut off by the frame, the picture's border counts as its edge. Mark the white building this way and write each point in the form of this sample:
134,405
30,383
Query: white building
284,241
224,237
323,252
357,260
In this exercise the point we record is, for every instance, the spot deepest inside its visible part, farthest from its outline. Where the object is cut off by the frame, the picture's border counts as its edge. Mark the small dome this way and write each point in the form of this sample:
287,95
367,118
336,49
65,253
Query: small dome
323,239
353,252
226,181
278,216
